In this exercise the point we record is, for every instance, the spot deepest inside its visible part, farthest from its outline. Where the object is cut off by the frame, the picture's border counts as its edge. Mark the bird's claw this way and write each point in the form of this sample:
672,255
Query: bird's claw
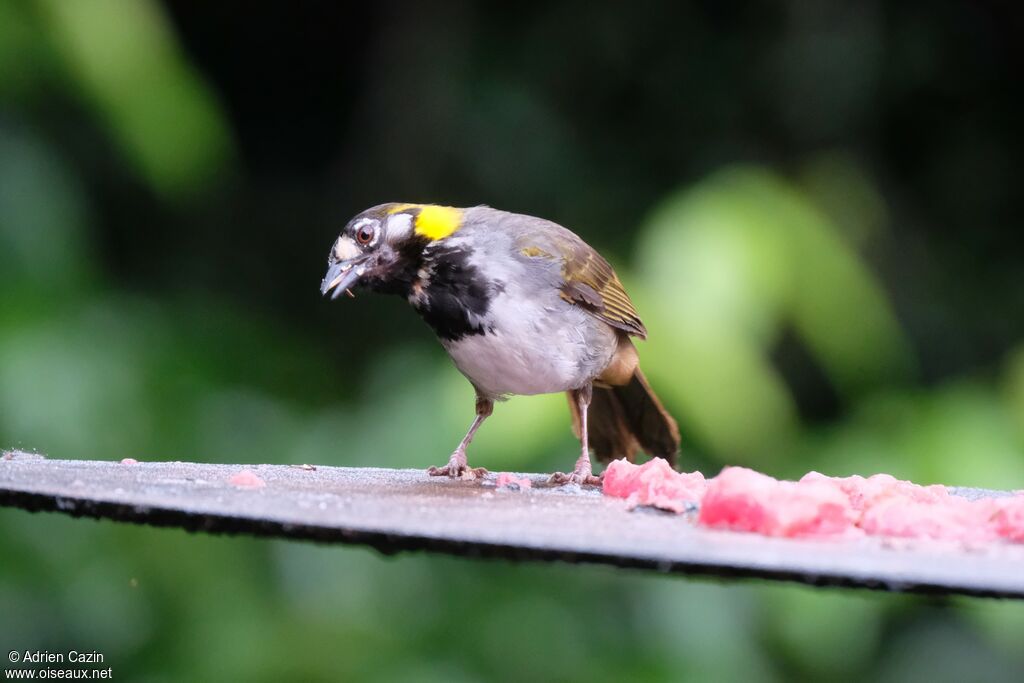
583,478
458,468
463,472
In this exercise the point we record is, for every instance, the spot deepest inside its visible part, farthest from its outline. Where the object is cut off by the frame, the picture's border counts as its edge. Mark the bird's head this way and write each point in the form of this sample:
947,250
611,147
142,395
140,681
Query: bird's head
381,247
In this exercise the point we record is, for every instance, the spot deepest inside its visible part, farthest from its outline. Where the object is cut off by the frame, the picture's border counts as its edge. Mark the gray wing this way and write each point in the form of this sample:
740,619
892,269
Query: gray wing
584,277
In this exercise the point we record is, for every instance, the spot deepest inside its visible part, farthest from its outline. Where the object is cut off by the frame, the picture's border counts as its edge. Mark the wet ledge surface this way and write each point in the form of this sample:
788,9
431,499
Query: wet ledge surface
405,510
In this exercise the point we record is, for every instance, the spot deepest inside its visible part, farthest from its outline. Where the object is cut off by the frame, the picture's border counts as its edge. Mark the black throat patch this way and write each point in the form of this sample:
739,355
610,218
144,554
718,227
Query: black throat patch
401,275
454,297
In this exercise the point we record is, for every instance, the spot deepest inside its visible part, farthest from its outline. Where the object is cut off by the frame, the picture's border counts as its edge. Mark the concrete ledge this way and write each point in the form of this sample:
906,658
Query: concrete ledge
402,510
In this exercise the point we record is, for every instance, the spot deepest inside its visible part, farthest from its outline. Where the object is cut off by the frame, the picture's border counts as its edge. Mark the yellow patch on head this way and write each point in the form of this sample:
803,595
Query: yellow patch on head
432,221
437,222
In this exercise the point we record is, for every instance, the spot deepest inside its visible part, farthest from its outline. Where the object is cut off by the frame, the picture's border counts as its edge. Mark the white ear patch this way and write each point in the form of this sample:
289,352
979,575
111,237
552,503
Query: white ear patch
399,227
345,249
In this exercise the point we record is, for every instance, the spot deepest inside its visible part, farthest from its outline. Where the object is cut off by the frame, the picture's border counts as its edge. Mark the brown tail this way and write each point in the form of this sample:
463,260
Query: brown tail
625,419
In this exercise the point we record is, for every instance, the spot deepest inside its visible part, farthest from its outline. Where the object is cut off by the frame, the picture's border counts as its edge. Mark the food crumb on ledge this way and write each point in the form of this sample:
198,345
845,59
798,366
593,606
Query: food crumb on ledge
653,484
246,479
509,482
740,499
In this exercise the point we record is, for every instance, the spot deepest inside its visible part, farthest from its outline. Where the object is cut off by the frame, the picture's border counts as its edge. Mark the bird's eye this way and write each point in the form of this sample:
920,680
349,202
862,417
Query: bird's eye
364,235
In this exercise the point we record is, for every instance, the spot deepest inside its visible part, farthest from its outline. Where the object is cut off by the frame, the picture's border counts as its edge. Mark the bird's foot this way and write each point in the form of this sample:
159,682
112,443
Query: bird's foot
458,468
462,471
583,476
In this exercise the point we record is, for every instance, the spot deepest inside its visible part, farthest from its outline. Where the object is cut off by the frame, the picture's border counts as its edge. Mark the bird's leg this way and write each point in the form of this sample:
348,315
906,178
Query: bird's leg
582,473
457,466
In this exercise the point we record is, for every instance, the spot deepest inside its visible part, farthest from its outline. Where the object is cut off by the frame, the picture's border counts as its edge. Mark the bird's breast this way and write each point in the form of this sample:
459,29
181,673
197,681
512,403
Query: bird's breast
533,347
503,321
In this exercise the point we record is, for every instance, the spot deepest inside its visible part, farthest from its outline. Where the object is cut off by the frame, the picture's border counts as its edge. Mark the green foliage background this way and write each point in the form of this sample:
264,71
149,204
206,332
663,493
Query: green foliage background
813,207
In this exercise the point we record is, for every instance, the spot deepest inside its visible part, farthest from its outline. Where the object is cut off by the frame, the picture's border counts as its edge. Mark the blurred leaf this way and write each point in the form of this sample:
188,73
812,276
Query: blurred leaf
841,188
1002,622
728,396
938,650
1014,391
707,631
724,267
836,304
960,435
711,289
124,57
964,436
43,225
63,397
24,60
807,623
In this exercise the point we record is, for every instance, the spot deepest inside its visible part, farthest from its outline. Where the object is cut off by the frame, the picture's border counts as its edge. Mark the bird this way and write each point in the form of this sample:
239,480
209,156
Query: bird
523,306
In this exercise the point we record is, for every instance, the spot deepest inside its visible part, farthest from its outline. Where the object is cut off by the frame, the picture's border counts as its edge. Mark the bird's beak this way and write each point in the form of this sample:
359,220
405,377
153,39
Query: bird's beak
342,276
